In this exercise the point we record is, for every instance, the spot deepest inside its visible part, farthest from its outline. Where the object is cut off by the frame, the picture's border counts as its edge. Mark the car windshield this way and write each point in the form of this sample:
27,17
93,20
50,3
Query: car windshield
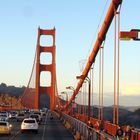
34,116
3,112
29,121
3,115
3,124
20,114
37,113
13,113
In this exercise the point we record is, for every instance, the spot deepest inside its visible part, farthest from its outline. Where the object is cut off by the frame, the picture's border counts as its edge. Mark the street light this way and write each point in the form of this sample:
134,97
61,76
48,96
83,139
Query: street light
73,102
61,98
66,95
70,87
89,87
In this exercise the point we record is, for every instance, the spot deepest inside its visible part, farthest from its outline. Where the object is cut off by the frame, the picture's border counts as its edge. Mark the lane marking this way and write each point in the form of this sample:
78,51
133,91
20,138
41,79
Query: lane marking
14,135
44,128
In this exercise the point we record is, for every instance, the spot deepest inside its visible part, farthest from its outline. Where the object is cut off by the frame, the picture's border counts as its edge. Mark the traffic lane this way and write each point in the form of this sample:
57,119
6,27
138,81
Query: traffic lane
50,129
30,135
55,129
15,128
16,134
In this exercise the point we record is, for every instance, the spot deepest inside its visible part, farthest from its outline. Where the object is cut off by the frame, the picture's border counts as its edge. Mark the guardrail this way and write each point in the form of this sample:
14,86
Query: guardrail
105,130
81,130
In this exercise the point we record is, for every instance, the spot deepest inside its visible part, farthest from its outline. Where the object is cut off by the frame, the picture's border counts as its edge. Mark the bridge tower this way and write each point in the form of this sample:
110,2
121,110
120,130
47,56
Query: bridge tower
51,90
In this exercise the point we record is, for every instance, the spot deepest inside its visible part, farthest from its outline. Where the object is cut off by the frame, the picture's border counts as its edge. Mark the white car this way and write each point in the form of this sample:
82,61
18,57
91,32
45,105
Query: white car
29,124
37,117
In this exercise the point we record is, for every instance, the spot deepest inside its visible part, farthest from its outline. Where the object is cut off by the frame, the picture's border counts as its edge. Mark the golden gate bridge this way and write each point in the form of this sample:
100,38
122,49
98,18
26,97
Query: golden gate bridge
78,111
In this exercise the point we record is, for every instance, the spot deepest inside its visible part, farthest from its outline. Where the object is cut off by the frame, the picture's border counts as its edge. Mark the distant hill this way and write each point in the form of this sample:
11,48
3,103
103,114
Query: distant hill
127,115
130,108
18,91
11,90
134,118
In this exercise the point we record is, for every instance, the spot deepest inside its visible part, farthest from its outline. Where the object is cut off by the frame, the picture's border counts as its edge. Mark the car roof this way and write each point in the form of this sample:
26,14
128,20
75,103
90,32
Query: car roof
29,119
4,122
34,114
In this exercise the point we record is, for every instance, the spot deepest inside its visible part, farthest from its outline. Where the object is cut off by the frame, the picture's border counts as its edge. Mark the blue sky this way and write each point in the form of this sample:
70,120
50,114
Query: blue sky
76,25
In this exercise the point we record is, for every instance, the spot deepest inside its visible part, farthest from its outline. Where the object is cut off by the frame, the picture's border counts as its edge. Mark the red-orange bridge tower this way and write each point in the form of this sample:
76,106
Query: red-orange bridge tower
50,90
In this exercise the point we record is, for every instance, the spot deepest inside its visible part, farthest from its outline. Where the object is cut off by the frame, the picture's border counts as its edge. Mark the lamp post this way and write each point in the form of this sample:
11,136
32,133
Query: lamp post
73,102
66,95
62,98
70,87
89,92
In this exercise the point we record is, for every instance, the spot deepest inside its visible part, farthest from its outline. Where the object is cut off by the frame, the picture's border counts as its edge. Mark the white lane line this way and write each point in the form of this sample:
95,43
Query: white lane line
44,128
11,138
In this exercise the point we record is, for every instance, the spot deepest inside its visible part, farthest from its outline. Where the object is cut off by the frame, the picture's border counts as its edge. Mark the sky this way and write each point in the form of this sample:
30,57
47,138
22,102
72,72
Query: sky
77,23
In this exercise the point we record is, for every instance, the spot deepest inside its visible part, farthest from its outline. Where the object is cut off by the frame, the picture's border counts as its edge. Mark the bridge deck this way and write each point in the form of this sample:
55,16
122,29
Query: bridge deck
55,130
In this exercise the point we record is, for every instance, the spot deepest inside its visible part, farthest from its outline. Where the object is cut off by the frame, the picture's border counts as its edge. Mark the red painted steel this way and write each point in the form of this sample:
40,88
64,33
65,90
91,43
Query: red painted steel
101,36
110,128
133,34
51,91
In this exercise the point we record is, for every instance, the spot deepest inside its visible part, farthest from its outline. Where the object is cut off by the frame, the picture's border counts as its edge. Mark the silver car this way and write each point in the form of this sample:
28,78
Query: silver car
4,117
20,117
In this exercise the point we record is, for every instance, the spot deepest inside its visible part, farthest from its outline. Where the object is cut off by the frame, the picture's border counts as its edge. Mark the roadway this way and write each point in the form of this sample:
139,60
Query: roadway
48,130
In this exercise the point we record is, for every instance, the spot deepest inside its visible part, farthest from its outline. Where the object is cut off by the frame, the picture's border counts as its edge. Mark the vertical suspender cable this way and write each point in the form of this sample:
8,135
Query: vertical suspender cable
90,76
116,66
80,100
118,78
99,108
102,79
85,99
78,97
77,103
114,109
92,80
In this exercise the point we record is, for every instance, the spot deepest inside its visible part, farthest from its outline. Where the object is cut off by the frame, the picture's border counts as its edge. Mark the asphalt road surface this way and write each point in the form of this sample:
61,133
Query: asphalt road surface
48,130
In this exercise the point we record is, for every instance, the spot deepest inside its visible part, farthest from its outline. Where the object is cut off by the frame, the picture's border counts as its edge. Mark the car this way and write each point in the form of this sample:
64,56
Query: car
29,124
43,113
5,127
4,117
13,115
37,112
20,117
37,117
4,112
